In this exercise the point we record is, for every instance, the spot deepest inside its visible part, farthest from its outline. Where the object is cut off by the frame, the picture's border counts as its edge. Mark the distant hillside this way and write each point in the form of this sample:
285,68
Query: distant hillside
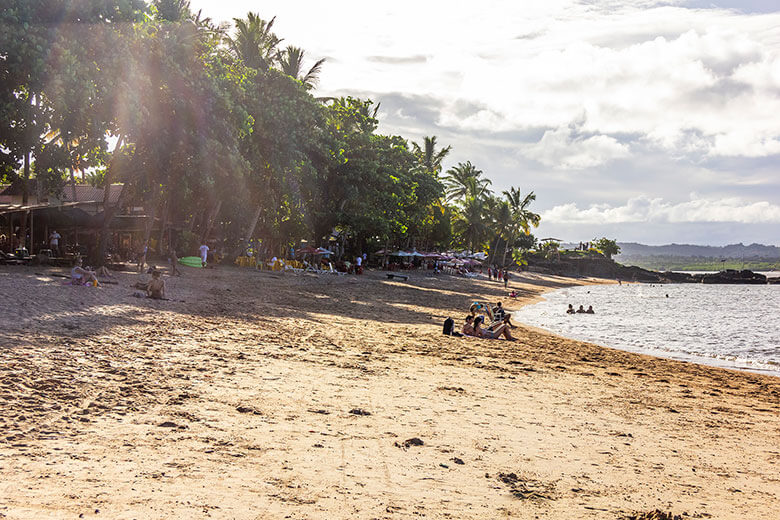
733,251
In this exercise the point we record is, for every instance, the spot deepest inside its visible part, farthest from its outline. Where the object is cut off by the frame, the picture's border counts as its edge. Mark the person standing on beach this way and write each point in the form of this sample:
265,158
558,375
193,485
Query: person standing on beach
174,260
506,279
359,265
54,243
204,254
142,257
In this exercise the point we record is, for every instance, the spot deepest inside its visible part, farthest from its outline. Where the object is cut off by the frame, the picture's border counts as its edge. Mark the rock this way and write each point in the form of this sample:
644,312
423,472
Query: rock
414,441
359,411
732,276
168,424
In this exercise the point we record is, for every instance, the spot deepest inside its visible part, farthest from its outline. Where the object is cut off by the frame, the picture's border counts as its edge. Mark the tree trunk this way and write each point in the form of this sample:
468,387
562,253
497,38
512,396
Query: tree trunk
109,212
209,224
252,225
25,200
506,246
492,256
151,215
161,244
72,185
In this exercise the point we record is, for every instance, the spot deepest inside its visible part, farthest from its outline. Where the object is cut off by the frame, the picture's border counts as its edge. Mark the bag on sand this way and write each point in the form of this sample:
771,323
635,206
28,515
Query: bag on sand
449,325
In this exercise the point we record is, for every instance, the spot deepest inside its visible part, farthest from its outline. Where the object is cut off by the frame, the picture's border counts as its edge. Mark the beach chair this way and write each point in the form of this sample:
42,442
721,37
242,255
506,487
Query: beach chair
333,270
290,268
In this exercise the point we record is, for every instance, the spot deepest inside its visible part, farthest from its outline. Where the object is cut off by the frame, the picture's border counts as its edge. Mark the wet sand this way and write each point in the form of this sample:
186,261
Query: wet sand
263,396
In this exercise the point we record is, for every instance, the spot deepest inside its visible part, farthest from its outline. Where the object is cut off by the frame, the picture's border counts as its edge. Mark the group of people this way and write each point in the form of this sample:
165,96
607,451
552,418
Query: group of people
477,325
498,275
581,310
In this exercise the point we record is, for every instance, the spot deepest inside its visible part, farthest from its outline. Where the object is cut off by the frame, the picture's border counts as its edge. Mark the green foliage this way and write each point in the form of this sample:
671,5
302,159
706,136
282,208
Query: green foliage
218,131
606,246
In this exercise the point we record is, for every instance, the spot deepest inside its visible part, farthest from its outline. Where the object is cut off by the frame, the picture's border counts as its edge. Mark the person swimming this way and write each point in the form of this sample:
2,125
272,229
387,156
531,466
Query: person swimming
581,310
570,310
590,310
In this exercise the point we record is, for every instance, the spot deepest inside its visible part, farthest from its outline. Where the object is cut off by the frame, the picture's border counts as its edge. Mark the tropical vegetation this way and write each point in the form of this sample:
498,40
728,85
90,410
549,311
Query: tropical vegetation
216,132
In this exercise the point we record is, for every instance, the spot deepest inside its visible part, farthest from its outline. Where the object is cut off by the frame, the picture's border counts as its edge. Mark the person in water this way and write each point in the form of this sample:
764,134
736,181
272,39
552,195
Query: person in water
590,310
570,310
581,310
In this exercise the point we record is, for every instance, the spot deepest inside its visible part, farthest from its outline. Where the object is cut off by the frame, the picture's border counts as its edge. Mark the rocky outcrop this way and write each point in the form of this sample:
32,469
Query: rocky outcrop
601,267
732,276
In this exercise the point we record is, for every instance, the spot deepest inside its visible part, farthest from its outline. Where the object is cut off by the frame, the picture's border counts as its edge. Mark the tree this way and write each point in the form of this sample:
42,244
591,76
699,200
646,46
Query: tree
253,43
291,63
522,217
606,246
50,103
428,156
470,222
465,180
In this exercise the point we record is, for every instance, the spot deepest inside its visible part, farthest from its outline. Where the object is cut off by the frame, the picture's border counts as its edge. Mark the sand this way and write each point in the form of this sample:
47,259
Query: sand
264,396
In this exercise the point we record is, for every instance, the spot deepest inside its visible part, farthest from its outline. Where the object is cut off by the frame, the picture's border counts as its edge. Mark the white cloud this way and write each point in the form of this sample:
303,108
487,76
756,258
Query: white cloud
646,210
564,149
683,98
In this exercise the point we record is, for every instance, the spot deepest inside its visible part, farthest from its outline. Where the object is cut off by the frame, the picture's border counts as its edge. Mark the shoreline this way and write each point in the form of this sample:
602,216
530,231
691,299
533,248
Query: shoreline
262,397
661,353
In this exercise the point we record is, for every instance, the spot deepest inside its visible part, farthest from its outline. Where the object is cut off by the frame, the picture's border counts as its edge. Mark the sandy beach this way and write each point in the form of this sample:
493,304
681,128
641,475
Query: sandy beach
252,395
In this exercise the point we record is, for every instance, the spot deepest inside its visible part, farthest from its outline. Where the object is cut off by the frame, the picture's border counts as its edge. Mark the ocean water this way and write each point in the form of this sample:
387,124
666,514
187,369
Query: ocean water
732,326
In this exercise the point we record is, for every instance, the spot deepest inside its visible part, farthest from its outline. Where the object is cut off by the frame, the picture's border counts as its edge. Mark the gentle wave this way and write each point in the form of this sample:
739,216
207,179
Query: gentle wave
732,326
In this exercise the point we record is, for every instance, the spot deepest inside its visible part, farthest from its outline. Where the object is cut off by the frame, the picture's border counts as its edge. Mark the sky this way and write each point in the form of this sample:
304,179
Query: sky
641,120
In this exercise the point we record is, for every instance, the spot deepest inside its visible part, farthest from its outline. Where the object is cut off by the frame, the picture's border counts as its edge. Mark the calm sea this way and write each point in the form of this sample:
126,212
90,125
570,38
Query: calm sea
733,326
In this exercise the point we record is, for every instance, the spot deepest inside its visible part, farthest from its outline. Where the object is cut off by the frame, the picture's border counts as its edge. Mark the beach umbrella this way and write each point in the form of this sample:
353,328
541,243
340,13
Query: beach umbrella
403,254
322,251
308,250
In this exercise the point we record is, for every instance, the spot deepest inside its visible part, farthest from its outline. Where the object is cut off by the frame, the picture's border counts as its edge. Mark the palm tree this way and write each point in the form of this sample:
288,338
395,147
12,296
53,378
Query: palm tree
501,222
465,180
173,10
291,63
254,43
522,217
428,156
470,221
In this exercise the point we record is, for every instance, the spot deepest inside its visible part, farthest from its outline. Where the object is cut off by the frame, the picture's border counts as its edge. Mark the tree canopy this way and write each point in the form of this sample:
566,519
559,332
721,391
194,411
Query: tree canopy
216,132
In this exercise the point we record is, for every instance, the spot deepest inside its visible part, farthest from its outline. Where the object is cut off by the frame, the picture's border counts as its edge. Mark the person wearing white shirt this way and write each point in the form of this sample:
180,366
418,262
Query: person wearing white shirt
204,254
54,242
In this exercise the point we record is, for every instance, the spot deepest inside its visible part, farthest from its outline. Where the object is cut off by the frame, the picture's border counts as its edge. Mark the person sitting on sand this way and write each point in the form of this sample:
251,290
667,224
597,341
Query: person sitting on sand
156,286
501,315
496,333
468,326
570,310
581,310
590,310
81,276
477,306
513,294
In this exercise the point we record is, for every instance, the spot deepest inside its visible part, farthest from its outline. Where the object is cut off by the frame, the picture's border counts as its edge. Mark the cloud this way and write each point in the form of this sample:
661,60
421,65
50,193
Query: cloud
566,148
643,209
398,60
